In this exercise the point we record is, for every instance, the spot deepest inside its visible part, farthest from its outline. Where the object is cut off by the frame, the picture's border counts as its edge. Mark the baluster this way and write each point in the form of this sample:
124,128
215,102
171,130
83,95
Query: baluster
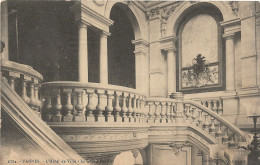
206,123
134,109
11,82
204,102
200,119
168,112
214,108
188,114
157,113
57,107
48,107
79,106
194,115
68,107
151,112
138,112
172,111
163,112
109,107
219,132
24,92
100,107
212,127
210,105
36,95
11,79
32,100
130,108
220,108
232,142
117,107
124,108
225,137
142,110
90,107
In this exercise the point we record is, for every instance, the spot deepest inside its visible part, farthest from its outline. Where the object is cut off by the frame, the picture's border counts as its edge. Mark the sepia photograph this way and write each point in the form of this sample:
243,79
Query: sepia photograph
130,82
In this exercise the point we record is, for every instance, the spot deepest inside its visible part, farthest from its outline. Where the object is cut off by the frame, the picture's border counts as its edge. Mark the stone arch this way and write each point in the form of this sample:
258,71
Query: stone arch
131,13
180,13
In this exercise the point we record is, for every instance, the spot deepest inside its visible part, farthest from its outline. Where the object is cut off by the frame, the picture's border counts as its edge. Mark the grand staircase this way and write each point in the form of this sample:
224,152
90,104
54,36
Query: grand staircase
96,122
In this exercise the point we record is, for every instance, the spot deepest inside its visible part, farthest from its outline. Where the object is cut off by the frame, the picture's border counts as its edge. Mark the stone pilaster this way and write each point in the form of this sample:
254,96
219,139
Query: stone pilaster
141,65
248,44
169,48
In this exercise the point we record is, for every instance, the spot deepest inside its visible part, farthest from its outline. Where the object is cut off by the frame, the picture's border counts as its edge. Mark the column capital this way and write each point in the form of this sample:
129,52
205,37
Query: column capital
82,24
168,43
228,36
105,34
169,48
141,47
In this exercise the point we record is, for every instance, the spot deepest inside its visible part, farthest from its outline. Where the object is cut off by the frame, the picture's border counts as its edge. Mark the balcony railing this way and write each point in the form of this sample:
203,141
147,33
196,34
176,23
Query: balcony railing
91,102
25,81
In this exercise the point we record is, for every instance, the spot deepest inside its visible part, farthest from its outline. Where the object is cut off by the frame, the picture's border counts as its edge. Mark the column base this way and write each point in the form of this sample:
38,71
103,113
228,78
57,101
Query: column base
100,118
118,119
67,118
79,118
56,118
90,119
125,119
163,121
110,119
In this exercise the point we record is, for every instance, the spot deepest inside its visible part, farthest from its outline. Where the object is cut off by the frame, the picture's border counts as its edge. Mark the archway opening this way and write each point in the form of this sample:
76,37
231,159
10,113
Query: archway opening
121,57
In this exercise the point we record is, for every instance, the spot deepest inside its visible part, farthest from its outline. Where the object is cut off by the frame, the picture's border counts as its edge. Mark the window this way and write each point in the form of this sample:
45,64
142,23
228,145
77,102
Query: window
200,53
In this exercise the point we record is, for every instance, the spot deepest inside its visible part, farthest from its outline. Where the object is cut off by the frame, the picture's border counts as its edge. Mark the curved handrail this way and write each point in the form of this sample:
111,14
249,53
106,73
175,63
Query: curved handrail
77,84
21,68
93,102
218,117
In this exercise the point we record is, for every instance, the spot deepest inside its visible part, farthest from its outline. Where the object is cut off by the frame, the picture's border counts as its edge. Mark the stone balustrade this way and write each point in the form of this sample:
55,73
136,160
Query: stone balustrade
160,110
25,81
212,123
91,102
215,104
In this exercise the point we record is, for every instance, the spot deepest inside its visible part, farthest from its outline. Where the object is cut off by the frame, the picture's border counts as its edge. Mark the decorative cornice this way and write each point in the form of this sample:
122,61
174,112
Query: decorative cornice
141,42
230,22
104,137
228,36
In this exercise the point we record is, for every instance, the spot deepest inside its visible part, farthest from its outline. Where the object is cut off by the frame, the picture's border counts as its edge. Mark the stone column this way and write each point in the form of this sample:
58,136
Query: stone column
171,62
83,53
103,63
4,29
230,62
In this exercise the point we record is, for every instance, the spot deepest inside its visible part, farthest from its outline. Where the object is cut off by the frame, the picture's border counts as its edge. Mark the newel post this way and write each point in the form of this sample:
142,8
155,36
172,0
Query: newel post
179,112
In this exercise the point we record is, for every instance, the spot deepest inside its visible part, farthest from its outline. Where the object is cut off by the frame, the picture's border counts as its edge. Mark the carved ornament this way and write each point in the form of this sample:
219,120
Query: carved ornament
234,5
163,13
